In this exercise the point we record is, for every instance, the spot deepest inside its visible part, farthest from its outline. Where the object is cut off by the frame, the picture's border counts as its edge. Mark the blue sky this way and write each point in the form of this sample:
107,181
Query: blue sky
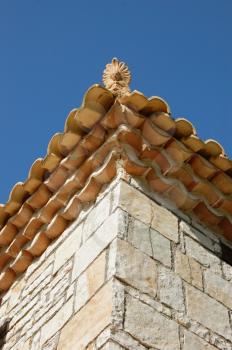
53,50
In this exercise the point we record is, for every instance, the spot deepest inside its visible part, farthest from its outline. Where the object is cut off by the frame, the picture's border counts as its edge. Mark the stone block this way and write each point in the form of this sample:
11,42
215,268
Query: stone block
170,289
164,222
196,273
134,202
197,235
90,281
161,248
182,266
127,341
57,321
112,346
193,342
139,236
150,327
135,268
89,321
68,248
218,288
96,217
96,244
202,255
208,312
227,271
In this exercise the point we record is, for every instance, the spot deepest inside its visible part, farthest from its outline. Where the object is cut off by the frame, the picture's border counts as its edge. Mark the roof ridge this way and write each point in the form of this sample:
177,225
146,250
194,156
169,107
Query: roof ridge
196,175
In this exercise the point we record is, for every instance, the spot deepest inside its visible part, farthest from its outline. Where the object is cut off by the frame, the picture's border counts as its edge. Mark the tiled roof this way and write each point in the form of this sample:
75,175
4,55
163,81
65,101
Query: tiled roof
147,141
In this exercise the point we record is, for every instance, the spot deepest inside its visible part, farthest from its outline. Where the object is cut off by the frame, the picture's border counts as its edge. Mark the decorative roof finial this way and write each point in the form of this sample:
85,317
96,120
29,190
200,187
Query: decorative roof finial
117,77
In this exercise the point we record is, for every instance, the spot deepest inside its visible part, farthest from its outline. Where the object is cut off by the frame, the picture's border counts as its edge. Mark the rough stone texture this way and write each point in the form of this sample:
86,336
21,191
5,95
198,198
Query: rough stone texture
165,222
129,199
208,312
90,281
57,322
95,244
68,248
203,256
182,266
112,346
139,236
153,329
88,322
192,342
135,268
161,248
170,289
127,274
218,288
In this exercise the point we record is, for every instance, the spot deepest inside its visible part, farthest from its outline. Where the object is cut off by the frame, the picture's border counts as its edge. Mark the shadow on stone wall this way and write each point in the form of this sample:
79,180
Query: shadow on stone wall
4,327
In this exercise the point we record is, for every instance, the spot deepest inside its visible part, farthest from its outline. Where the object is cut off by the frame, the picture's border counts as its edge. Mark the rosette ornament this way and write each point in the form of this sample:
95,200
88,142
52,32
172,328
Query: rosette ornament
117,77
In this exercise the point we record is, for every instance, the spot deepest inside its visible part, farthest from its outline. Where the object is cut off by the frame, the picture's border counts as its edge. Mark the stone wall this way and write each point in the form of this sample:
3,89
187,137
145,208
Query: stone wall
128,274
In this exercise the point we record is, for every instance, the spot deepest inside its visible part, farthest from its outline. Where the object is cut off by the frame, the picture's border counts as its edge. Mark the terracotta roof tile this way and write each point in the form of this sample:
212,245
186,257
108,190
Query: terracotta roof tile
194,174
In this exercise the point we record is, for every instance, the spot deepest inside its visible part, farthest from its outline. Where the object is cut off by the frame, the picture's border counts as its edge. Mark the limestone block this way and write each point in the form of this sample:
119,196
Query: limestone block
227,271
196,273
150,327
165,222
88,322
52,343
96,216
202,255
170,289
136,268
112,346
193,342
197,235
218,288
208,312
182,266
15,292
127,341
161,248
57,321
134,202
67,248
139,236
90,281
95,244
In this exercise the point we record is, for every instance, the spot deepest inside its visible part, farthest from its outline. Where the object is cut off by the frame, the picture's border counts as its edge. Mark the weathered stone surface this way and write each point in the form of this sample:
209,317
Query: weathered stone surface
16,291
139,236
96,217
218,288
127,341
52,343
208,312
90,281
182,266
227,271
202,255
88,322
57,322
161,248
196,273
67,248
136,268
95,244
170,289
112,346
197,235
150,327
128,200
164,222
193,342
